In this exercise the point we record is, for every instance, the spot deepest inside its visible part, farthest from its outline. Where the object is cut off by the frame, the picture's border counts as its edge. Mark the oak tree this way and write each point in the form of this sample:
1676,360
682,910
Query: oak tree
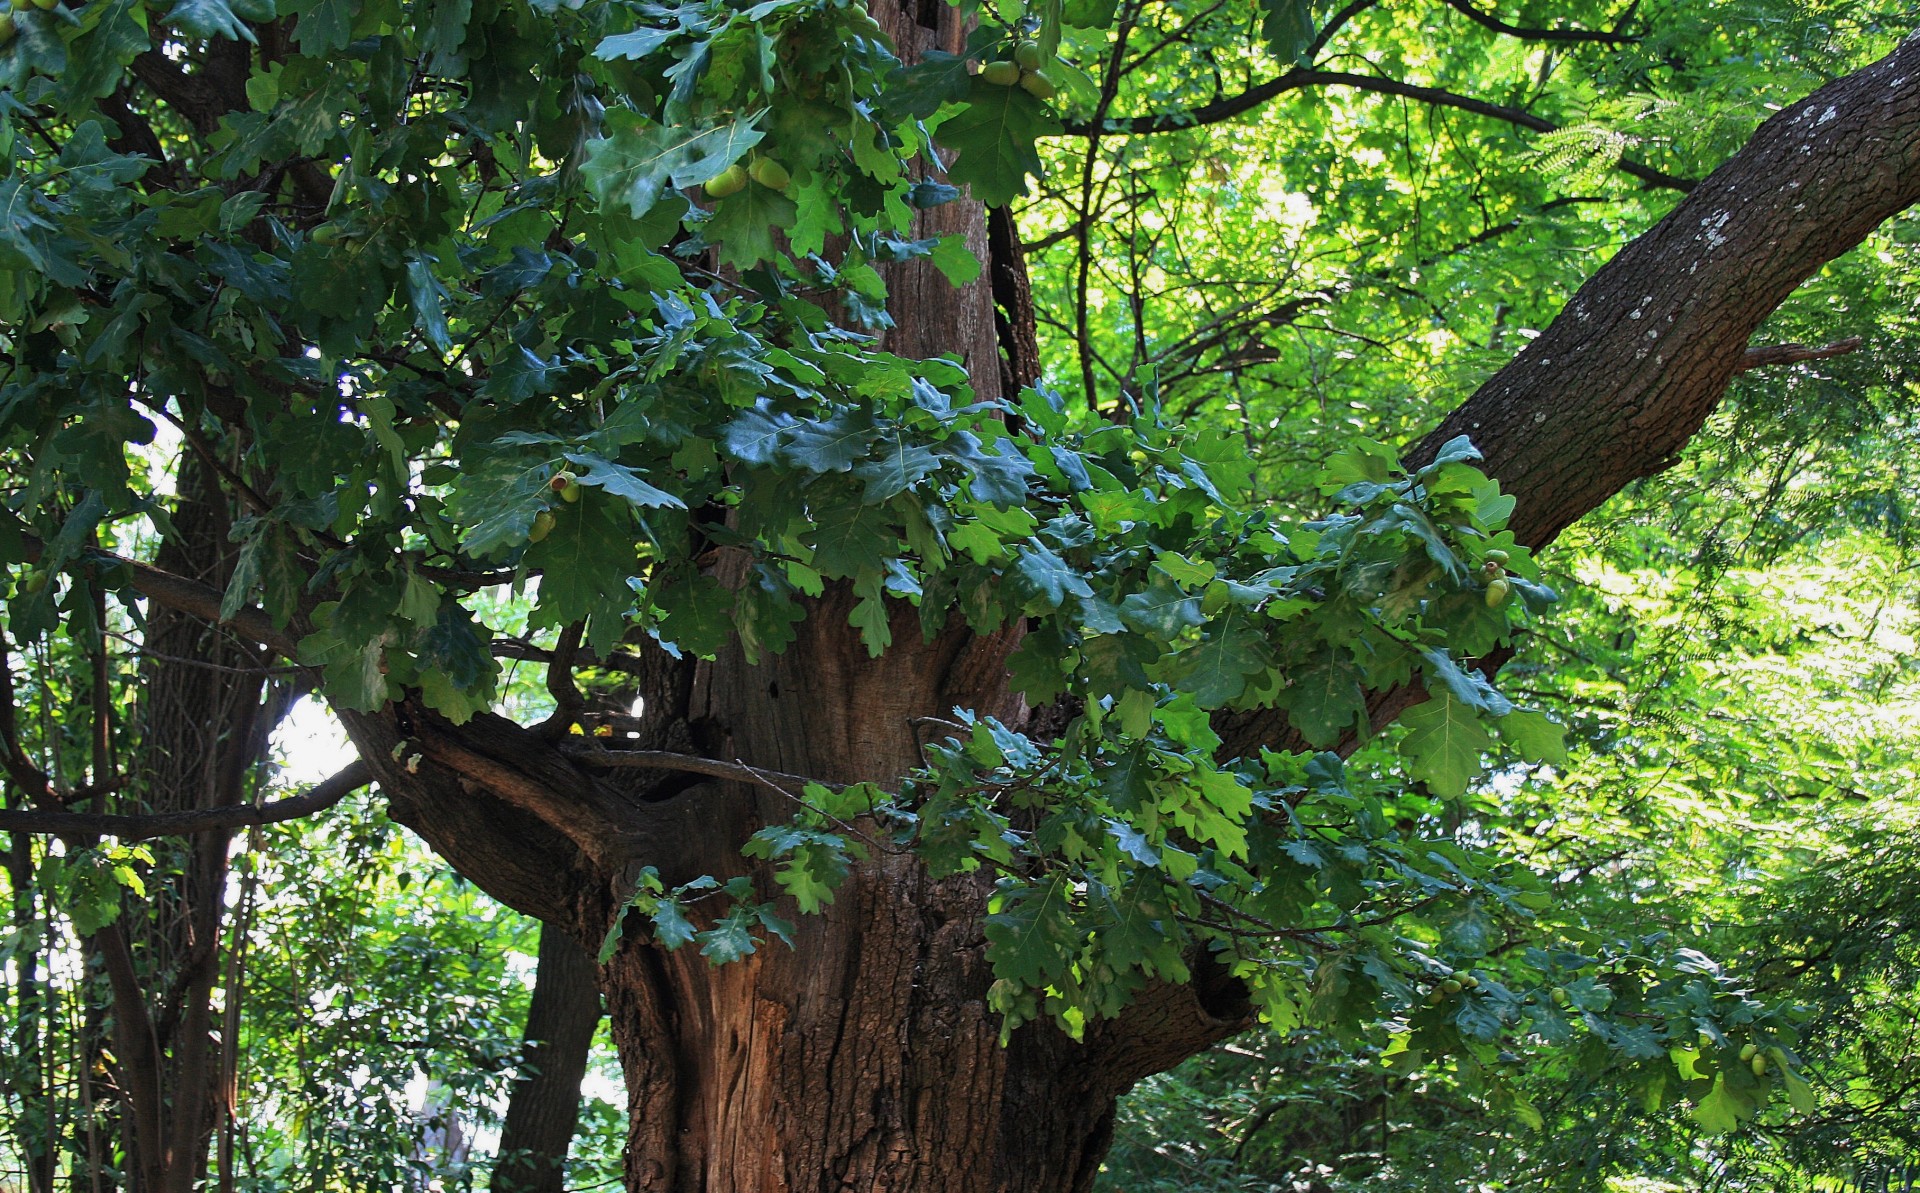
929,757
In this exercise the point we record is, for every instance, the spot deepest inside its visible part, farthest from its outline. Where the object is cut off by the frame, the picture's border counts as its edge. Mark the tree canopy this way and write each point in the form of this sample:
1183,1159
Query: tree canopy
964,554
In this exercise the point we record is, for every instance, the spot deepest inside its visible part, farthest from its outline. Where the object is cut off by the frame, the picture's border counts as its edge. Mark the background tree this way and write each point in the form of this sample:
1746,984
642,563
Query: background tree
421,296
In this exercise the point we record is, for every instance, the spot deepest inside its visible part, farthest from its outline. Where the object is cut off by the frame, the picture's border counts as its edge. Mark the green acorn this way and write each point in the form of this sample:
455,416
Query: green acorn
1001,74
770,174
730,181
1038,86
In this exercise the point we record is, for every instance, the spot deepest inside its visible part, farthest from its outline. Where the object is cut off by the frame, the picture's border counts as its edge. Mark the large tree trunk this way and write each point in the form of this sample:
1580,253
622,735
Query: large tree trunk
866,1056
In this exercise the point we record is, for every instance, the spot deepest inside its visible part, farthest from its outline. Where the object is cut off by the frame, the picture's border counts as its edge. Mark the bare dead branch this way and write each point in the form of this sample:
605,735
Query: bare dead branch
1786,354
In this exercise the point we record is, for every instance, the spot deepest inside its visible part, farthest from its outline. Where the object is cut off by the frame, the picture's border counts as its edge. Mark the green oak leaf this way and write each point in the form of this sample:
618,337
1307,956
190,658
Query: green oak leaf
729,940
584,562
637,157
1534,737
1444,742
897,466
1288,27
1323,698
1216,670
994,135
621,481
1045,578
742,227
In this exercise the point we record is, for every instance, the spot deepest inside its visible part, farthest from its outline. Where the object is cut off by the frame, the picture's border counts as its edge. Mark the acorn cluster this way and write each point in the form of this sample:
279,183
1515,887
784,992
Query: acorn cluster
763,170
1451,986
1024,70
1494,571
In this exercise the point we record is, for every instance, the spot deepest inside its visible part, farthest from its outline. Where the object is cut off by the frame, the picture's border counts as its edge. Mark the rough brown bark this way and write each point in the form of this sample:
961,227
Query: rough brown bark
544,1108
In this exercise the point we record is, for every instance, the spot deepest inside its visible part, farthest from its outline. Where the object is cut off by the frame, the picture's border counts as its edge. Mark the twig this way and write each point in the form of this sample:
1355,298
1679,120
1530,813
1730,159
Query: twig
691,764
1489,21
843,825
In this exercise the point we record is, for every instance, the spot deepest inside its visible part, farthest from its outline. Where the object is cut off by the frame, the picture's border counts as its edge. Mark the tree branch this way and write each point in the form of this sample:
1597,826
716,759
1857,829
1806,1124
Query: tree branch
691,764
1489,21
183,595
567,700
318,798
1628,372
625,662
1300,78
1786,354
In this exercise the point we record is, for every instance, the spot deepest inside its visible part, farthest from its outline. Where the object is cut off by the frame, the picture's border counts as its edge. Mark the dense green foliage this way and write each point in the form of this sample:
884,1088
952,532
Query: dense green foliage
467,314
1733,657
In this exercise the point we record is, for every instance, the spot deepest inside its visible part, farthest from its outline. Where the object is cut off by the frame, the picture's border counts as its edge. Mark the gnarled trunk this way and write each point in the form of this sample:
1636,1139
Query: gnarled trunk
865,1057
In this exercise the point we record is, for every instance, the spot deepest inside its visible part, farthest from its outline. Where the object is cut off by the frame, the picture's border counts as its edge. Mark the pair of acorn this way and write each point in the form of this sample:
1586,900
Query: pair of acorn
1448,987
1498,586
732,180
567,486
1023,69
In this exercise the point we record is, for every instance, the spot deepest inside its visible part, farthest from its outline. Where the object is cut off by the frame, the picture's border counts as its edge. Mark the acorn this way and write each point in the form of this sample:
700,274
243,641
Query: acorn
1038,86
1001,74
563,483
770,174
1028,55
1497,592
542,526
730,181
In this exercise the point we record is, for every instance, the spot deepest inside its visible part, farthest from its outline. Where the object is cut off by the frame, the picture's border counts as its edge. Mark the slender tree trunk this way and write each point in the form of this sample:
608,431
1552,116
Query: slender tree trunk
544,1107
24,1069
201,721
